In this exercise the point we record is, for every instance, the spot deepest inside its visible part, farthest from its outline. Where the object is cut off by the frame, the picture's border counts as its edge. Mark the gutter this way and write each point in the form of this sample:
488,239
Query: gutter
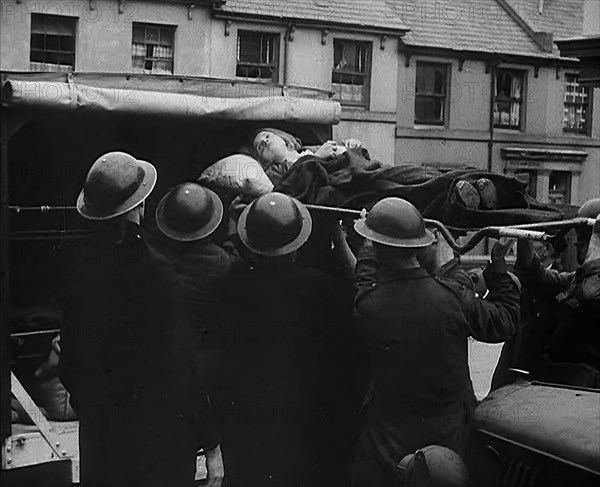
554,61
309,23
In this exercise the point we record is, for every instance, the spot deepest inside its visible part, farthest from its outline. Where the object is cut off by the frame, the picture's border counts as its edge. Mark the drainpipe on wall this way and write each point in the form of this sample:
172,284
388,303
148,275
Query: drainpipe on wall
492,103
491,139
286,51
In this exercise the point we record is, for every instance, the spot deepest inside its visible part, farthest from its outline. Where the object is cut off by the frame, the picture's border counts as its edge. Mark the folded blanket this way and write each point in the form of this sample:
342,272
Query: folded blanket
352,181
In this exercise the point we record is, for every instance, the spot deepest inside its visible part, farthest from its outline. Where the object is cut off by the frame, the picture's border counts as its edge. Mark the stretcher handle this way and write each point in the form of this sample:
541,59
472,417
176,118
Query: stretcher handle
493,232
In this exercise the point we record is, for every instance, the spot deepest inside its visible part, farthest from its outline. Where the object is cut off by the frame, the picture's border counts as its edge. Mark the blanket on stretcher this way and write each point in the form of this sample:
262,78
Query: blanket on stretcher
353,181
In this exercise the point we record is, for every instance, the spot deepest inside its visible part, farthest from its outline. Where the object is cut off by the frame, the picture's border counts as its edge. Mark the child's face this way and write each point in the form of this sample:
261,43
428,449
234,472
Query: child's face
270,147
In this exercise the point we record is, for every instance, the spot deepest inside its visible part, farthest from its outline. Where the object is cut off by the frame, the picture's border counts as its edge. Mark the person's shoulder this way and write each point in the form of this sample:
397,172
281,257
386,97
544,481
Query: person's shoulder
458,282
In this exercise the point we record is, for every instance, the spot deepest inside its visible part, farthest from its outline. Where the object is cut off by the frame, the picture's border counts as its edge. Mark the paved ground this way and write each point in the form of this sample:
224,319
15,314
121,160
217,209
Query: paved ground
483,358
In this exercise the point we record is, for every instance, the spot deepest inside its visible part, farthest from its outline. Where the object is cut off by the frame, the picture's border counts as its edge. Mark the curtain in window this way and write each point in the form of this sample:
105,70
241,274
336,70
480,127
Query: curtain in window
515,105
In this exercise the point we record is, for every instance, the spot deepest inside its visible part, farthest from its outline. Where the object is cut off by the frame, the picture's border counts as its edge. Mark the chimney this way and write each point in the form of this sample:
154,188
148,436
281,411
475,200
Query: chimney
546,40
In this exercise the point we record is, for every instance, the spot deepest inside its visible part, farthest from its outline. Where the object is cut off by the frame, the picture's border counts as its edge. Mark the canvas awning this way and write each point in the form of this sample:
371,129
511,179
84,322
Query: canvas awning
197,98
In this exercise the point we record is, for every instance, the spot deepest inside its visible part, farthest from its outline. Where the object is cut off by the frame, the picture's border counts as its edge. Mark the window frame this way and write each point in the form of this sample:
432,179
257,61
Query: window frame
568,176
522,101
153,59
367,75
275,37
446,114
73,21
588,104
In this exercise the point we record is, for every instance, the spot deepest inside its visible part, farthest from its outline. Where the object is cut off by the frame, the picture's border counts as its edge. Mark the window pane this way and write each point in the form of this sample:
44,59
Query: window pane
430,87
559,190
152,48
139,33
249,48
38,24
576,107
36,56
509,96
67,44
350,56
431,79
37,41
152,34
52,41
351,71
166,37
257,55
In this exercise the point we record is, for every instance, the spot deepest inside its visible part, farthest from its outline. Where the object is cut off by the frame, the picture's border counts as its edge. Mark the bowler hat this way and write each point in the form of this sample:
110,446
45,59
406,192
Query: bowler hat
274,224
189,212
116,183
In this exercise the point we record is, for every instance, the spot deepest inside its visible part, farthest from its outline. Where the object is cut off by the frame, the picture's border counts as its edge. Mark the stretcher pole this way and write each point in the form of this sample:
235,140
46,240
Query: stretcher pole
518,231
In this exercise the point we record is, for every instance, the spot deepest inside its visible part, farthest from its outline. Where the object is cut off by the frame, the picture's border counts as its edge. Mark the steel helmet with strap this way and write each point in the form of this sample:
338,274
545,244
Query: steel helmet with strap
275,224
189,212
395,222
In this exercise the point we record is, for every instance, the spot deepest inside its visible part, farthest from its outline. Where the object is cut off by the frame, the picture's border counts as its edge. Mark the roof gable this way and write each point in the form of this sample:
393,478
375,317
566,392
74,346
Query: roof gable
478,25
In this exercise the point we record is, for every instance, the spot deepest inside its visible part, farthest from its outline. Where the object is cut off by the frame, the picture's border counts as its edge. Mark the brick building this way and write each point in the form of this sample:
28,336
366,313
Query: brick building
434,82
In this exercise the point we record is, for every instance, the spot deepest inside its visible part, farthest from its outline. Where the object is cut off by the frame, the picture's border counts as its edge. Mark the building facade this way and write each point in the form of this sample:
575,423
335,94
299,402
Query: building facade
427,82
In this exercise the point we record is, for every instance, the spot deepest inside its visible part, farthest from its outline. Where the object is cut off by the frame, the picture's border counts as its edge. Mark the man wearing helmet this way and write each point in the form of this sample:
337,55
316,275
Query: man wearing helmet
278,422
124,346
572,353
417,325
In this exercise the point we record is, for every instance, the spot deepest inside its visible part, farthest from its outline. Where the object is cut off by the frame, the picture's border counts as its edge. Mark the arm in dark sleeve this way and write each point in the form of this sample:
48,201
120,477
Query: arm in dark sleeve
365,273
547,281
496,318
207,424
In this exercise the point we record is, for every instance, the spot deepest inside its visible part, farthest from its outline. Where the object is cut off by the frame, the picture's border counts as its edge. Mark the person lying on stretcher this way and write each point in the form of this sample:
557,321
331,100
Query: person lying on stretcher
277,150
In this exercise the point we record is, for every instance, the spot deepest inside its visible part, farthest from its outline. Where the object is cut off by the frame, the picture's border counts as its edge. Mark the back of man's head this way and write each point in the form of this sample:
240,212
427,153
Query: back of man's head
394,256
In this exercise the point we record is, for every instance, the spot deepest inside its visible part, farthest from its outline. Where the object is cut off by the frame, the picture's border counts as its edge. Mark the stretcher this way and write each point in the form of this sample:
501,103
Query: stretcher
529,231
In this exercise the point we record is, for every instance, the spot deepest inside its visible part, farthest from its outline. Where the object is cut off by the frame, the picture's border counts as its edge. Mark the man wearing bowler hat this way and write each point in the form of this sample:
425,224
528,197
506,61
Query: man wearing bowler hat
125,353
417,325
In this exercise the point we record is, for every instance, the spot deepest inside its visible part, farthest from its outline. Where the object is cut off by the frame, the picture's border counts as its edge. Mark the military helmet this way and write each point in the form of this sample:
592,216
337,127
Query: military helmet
435,466
590,209
116,183
189,212
395,222
274,224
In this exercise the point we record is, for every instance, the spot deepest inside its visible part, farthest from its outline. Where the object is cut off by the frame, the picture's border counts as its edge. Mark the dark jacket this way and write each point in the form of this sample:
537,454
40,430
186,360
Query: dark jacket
575,336
126,359
417,327
201,269
279,331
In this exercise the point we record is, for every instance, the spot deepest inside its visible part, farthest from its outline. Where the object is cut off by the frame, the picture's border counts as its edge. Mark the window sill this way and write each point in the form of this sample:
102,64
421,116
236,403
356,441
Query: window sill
577,134
263,81
504,130
353,113
426,126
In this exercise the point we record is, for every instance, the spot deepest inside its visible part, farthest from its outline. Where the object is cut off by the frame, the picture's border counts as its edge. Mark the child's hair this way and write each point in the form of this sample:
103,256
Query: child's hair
291,141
